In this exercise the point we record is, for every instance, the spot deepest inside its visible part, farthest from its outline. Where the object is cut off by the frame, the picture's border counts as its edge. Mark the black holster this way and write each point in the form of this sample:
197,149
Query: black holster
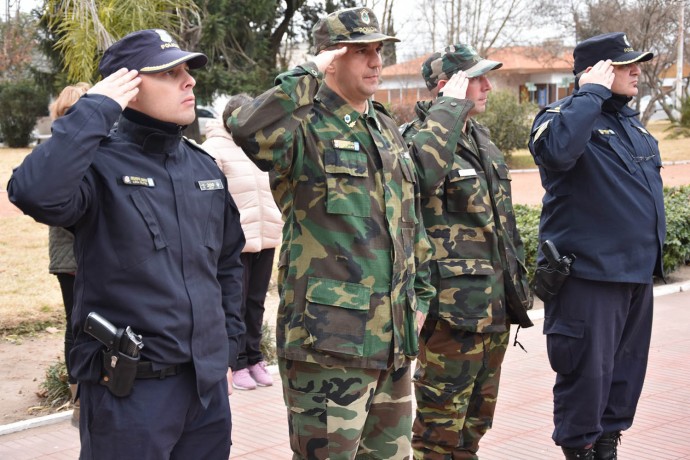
119,367
119,372
547,281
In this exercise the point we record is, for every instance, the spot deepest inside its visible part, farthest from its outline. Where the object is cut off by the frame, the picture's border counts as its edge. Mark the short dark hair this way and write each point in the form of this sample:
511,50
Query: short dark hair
234,102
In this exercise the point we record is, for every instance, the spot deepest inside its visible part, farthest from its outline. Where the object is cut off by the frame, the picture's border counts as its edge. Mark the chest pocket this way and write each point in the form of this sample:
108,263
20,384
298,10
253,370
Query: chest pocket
144,235
408,187
623,153
346,180
463,189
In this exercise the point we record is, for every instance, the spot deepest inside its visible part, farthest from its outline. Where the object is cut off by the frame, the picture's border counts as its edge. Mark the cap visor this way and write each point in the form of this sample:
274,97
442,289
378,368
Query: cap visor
482,67
195,61
636,56
371,38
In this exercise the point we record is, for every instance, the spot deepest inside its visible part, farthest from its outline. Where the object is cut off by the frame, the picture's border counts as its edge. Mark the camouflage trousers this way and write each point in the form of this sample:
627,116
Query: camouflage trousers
347,413
456,386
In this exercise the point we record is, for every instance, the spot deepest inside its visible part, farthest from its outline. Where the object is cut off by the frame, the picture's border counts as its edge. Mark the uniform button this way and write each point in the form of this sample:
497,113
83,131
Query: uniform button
454,104
442,102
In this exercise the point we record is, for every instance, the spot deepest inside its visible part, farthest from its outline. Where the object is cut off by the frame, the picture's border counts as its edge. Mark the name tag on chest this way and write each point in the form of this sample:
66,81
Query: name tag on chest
140,181
213,184
470,172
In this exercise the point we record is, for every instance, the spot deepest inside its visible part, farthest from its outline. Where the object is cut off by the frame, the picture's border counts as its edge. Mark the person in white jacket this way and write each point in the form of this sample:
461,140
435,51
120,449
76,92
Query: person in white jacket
262,224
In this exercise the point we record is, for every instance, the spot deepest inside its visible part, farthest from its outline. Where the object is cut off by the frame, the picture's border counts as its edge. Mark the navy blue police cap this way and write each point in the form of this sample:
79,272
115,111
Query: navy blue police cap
148,51
614,46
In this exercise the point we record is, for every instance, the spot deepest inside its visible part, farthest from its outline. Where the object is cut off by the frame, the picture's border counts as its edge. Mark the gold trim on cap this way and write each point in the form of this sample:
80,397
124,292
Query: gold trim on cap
160,68
648,53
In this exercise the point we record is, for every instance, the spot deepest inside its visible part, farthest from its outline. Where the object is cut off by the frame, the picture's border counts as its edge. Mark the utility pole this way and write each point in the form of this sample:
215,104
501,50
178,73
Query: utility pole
680,60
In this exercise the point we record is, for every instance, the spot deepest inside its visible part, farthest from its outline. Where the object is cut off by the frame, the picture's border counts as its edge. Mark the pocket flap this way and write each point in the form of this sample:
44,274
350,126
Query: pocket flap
346,162
313,404
449,268
564,326
338,294
502,170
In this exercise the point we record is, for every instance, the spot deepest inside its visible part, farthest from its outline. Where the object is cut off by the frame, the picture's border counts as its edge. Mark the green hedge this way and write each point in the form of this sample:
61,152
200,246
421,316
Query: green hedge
676,248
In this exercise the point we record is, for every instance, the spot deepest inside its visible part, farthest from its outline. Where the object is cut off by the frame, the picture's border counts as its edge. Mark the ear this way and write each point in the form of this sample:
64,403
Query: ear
441,84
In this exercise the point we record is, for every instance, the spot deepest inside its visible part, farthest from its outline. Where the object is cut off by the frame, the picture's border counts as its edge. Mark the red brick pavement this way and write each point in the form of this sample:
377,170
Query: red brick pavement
522,428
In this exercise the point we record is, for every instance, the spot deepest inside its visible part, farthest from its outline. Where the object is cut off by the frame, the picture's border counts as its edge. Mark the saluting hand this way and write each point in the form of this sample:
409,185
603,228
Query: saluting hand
120,86
600,73
326,57
457,86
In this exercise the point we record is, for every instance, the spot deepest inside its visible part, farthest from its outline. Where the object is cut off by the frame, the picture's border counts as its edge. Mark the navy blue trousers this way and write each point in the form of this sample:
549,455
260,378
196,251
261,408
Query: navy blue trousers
597,336
159,420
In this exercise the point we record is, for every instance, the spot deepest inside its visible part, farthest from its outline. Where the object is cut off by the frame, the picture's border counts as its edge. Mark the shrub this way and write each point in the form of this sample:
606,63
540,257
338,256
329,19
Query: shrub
508,120
676,249
22,102
55,388
677,246
268,344
527,218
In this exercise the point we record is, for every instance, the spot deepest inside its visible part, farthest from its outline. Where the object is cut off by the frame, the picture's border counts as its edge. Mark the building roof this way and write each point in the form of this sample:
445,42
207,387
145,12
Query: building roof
515,59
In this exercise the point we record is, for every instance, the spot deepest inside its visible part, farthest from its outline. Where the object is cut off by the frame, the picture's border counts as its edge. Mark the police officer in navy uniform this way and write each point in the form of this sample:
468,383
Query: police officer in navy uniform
603,202
158,243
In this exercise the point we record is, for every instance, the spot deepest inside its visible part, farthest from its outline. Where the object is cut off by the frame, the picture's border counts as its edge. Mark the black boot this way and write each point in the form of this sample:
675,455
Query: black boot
606,447
582,453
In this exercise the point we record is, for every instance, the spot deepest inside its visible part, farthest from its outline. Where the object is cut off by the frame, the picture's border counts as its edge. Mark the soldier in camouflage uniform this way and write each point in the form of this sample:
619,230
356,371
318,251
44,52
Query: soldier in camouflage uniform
478,257
353,269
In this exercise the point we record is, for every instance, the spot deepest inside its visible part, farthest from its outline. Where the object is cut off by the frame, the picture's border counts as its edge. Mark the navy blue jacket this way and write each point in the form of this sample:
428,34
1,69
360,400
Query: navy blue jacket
157,236
603,199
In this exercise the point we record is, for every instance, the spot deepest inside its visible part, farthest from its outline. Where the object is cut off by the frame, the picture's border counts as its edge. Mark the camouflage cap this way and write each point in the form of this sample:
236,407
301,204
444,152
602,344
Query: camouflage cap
351,25
443,64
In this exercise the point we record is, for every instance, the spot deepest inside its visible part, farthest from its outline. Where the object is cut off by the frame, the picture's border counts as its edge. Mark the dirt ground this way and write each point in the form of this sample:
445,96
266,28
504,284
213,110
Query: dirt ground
25,359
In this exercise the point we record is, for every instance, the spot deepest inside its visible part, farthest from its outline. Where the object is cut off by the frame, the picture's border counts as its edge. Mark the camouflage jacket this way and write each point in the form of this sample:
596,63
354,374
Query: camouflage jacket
466,270
353,265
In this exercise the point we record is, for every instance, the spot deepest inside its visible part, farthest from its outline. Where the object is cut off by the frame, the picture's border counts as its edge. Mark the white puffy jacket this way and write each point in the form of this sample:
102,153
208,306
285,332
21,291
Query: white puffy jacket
249,187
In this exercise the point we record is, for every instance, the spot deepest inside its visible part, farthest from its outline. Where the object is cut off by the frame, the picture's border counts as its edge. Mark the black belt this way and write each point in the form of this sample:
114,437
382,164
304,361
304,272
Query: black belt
145,370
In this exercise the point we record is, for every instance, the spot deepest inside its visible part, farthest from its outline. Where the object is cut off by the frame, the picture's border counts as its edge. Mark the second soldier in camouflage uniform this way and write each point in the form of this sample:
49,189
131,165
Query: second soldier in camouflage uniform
353,268
469,219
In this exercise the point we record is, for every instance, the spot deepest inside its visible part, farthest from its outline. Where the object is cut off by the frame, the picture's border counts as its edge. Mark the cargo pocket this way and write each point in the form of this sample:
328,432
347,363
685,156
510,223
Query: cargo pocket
441,415
466,283
564,344
307,419
336,316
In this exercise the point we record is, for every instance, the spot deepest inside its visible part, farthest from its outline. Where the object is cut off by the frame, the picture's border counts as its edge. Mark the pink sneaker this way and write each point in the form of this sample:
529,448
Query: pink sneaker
260,374
241,380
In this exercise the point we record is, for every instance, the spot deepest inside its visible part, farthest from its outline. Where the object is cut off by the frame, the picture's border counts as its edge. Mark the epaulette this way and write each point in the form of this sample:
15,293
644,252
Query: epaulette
402,129
556,109
193,144
381,108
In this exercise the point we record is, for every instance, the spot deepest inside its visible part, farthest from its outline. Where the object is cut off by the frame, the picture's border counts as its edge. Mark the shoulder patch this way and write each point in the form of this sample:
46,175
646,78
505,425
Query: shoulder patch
540,130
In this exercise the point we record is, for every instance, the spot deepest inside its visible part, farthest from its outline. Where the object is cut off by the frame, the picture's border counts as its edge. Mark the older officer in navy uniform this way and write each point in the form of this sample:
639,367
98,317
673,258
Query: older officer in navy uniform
603,203
157,242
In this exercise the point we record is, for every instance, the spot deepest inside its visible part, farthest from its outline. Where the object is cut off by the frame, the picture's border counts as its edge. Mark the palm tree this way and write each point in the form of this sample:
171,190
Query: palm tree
85,28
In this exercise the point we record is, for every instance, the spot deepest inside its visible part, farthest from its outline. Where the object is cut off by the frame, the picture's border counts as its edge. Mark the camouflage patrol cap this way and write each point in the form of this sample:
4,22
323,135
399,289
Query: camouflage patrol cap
443,64
351,25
